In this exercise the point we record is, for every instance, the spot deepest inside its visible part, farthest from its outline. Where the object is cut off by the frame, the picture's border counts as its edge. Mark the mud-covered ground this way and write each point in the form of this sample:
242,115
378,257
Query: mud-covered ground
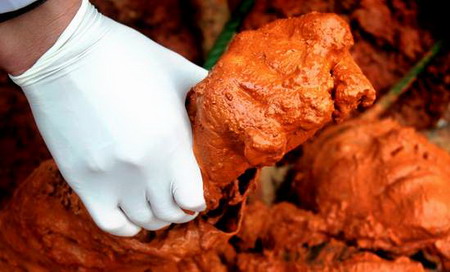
390,37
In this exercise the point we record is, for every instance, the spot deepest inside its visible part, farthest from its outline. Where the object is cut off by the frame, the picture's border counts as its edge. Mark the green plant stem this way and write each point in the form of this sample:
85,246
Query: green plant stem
404,83
230,28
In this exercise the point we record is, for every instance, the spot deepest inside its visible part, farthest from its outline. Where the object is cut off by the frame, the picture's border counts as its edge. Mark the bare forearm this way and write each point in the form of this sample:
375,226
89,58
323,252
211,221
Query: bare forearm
26,38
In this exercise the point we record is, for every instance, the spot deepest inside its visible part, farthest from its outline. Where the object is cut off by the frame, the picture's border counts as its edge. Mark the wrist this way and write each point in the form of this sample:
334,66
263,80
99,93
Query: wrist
23,40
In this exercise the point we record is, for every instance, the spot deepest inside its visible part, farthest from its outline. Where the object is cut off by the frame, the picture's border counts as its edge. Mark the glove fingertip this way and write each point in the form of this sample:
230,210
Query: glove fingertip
190,201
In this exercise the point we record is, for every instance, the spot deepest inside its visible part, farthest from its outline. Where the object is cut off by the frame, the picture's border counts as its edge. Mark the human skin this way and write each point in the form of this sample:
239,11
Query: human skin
73,91
24,39
60,233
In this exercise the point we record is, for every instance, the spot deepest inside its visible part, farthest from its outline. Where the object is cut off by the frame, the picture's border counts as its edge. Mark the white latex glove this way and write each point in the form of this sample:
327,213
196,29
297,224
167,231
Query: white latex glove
109,103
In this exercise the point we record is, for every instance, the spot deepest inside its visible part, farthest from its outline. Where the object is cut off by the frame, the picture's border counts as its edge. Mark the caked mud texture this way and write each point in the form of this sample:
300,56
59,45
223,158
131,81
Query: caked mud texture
390,186
22,148
390,35
270,92
286,238
46,227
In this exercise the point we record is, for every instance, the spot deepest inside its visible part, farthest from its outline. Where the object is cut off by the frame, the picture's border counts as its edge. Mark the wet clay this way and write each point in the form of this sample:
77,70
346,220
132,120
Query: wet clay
166,22
286,238
390,186
271,91
382,60
390,35
256,104
45,226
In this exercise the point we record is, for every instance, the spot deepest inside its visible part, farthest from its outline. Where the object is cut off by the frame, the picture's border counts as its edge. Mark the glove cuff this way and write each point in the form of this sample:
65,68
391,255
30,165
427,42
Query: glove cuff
86,28
13,5
10,10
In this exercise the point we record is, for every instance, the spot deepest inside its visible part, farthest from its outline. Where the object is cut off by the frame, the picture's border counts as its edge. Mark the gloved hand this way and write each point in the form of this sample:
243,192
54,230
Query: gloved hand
109,103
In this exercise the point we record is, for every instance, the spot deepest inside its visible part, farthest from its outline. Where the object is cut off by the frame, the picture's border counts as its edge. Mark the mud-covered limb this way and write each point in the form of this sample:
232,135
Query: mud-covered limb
351,87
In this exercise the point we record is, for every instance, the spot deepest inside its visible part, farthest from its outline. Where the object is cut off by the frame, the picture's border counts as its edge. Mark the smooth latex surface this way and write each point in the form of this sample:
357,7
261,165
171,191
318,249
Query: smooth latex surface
109,103
12,5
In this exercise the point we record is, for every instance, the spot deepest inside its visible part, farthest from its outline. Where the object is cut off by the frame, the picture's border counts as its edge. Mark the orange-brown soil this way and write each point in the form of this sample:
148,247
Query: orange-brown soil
45,226
390,37
271,91
381,185
286,238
